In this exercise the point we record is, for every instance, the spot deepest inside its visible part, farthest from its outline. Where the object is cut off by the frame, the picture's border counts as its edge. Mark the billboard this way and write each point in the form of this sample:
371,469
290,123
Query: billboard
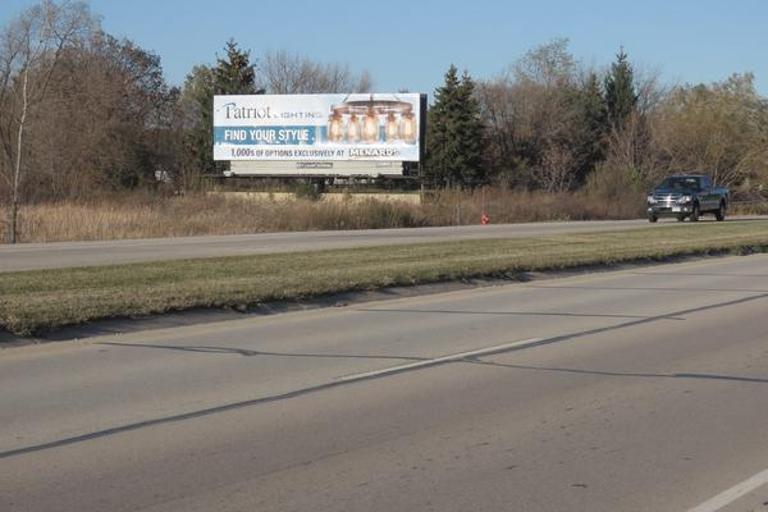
319,127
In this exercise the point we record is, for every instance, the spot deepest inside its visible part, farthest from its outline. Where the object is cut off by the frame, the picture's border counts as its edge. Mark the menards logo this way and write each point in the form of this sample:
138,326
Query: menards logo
373,152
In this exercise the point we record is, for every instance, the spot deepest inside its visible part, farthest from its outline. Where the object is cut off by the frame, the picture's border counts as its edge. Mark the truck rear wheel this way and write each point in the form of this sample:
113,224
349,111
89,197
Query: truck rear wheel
652,218
720,213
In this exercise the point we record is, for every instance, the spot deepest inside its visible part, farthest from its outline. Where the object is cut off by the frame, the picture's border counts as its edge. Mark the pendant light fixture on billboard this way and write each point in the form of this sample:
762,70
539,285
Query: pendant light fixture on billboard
390,128
371,126
336,128
353,129
408,132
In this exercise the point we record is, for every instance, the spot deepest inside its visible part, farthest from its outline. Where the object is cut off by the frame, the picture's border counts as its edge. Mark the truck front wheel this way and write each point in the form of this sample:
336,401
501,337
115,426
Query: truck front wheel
695,213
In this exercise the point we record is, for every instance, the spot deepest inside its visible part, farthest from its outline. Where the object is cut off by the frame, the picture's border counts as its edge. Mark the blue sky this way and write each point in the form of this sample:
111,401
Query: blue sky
409,43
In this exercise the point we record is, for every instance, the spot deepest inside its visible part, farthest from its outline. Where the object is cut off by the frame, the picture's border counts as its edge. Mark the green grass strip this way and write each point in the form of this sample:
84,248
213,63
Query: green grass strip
35,301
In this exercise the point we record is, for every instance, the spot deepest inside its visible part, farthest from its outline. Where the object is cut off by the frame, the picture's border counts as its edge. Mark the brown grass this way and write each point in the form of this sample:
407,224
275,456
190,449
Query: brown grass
750,208
150,216
503,206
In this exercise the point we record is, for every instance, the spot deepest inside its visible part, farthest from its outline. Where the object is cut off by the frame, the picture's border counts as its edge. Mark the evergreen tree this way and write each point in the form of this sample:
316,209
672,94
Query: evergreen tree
470,131
196,104
592,122
439,140
235,74
620,96
455,134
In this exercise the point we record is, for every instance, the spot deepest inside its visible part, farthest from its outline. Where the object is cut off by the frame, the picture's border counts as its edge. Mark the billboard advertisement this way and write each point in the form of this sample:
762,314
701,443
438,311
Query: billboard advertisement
318,127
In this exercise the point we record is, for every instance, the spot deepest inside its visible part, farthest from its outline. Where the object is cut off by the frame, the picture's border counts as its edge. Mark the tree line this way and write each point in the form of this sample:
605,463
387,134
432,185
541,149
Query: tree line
83,112
549,123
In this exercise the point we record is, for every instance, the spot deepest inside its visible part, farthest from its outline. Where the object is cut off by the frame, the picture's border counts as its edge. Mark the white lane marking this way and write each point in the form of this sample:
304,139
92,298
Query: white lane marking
438,360
739,490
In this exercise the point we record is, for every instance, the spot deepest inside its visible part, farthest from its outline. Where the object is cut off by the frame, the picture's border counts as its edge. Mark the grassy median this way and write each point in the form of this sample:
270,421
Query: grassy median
35,301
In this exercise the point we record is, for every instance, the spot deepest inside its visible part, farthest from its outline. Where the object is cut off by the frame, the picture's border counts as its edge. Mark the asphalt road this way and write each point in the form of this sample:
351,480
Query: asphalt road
70,254
638,390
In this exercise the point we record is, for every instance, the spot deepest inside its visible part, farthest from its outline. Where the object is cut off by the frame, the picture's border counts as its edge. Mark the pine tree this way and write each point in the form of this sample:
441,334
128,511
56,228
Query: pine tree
470,130
620,96
455,134
592,121
235,74
439,138
197,105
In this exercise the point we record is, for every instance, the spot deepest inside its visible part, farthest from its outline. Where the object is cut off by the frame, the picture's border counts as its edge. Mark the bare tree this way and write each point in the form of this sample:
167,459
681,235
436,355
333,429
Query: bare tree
30,48
501,112
286,73
542,119
630,150
556,170
548,65
650,90
720,129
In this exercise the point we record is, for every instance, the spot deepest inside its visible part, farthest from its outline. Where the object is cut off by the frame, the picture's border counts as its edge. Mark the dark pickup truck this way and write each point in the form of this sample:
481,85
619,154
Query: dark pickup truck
689,195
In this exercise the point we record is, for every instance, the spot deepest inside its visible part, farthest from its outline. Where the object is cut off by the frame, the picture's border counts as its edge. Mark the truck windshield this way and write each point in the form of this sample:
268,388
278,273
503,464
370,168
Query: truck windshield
681,182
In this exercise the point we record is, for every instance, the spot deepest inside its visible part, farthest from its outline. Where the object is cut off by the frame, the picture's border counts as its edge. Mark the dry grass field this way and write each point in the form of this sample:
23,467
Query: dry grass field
151,216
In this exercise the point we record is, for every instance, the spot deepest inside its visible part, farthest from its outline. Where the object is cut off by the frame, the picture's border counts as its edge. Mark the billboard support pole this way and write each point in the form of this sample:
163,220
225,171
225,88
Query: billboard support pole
422,143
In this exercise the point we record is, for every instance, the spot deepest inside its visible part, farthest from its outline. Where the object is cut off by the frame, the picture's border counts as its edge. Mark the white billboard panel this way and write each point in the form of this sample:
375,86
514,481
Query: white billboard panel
317,127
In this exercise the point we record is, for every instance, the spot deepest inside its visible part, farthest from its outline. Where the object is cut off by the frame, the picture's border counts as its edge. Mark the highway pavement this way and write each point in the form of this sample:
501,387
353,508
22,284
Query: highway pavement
635,390
32,256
